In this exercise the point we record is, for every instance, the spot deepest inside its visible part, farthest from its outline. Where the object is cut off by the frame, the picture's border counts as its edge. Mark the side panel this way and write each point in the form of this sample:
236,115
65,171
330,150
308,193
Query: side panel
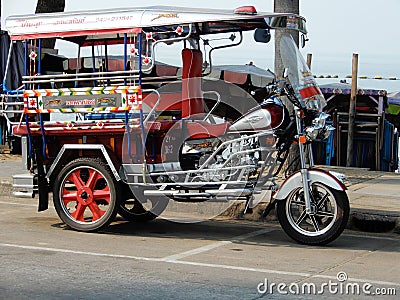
295,181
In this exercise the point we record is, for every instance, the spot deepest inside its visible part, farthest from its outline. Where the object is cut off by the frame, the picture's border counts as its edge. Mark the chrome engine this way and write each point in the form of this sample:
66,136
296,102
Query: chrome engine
223,159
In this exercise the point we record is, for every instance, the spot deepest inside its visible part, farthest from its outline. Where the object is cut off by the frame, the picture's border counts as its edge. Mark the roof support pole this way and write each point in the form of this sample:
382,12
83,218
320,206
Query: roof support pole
352,111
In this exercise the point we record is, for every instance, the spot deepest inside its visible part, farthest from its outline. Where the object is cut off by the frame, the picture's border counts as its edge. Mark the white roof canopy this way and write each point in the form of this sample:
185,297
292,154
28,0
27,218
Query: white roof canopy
132,20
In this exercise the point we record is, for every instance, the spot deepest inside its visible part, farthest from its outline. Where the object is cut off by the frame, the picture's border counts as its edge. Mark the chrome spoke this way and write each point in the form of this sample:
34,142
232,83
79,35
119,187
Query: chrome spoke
314,222
322,217
324,214
320,202
301,218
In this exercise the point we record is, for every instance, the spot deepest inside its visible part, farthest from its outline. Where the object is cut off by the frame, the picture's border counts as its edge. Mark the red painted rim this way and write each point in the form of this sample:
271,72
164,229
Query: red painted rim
85,194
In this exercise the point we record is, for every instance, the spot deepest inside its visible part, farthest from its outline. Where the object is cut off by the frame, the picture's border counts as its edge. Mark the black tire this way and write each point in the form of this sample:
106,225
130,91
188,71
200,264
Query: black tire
85,195
331,209
132,210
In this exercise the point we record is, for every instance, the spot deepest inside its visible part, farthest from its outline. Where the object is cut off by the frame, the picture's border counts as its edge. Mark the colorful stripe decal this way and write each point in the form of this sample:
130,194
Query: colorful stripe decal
131,99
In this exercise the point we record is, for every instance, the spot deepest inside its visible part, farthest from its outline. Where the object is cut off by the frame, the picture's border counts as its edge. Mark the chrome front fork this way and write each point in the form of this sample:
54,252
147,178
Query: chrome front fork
304,170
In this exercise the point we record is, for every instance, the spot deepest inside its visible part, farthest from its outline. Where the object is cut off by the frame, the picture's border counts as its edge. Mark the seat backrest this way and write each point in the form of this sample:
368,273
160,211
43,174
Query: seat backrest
192,99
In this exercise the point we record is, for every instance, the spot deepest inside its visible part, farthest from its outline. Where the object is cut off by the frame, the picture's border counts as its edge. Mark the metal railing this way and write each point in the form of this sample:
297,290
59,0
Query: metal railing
11,104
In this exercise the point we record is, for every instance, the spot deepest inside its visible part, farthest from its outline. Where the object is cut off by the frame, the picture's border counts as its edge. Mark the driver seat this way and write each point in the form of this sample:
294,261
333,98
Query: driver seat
193,107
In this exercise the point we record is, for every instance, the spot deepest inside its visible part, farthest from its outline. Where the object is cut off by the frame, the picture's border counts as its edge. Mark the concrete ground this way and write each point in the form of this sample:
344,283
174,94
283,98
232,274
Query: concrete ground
218,259
374,196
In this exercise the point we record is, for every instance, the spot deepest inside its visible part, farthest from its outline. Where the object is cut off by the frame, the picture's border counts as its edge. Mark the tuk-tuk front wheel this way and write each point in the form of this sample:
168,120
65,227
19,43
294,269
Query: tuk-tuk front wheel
85,195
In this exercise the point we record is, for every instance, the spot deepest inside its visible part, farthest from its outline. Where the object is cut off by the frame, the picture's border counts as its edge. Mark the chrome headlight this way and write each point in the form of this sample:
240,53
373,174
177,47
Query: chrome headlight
319,130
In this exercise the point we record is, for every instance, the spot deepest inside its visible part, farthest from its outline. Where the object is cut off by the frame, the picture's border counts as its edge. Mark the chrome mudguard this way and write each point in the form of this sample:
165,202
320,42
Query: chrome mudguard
314,175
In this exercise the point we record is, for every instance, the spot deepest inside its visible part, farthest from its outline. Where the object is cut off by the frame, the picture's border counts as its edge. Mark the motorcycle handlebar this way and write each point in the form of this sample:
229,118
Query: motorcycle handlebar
259,92
280,88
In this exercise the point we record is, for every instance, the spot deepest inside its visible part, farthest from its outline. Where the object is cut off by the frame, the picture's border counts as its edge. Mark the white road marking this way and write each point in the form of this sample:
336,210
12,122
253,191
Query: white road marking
189,263
270,271
212,246
59,250
177,256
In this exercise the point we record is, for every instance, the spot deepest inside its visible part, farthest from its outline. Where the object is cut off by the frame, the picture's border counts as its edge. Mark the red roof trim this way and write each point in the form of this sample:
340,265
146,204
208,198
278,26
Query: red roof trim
74,33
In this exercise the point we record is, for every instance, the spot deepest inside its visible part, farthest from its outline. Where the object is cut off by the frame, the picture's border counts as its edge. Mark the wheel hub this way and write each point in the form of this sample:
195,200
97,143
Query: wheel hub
314,208
85,196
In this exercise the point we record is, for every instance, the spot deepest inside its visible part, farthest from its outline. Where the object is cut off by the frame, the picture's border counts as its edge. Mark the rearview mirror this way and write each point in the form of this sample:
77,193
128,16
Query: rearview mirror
303,41
262,35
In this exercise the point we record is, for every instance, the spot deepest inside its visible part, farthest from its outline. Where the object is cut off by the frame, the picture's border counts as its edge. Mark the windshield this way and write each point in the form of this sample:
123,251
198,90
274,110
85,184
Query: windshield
300,76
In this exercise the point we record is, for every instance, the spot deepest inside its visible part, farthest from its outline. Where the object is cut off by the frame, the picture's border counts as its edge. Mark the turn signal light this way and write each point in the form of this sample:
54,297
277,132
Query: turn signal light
246,10
302,139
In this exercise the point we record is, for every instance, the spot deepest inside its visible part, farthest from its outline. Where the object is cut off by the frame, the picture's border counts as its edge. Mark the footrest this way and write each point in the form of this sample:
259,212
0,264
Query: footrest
24,185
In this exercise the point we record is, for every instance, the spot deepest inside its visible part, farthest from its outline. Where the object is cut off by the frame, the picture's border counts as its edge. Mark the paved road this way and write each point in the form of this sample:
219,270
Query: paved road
41,259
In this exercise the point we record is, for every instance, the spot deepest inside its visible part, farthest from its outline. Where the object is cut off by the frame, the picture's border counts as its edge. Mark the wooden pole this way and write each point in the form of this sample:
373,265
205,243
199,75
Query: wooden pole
352,111
309,60
284,6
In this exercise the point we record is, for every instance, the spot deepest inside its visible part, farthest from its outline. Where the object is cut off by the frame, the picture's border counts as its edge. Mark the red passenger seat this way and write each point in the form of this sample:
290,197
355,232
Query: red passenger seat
192,98
204,130
193,106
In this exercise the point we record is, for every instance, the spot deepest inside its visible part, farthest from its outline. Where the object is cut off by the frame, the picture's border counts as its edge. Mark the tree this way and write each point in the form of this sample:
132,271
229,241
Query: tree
49,6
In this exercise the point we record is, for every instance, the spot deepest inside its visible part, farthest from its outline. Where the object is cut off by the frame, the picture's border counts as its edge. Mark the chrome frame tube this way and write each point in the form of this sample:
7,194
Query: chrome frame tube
303,170
81,74
310,156
191,171
196,184
177,39
215,105
154,107
77,79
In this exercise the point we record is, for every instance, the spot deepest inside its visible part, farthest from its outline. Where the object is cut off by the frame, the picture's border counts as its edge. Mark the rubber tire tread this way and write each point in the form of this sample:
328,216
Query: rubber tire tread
342,203
114,190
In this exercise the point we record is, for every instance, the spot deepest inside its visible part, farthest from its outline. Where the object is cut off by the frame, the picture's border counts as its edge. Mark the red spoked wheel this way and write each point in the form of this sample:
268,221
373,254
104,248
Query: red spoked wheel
85,195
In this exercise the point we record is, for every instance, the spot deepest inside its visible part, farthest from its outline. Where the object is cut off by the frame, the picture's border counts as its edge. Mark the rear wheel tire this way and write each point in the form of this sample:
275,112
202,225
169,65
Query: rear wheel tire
329,218
131,209
85,195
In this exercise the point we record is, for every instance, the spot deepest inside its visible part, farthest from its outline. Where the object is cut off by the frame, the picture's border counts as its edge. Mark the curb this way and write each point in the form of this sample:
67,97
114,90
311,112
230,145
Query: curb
374,221
359,219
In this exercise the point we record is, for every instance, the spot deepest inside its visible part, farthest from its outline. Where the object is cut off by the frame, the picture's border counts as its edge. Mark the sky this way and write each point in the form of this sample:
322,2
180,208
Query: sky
337,29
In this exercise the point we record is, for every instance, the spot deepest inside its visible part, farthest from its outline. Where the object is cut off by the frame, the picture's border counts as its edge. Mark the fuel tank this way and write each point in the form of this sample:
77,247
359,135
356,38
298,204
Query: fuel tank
270,114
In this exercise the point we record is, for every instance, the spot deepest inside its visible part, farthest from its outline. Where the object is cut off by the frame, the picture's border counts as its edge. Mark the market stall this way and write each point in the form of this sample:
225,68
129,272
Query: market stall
375,139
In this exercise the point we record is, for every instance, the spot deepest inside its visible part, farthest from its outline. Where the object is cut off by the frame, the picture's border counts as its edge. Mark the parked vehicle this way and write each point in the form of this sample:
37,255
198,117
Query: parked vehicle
108,137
